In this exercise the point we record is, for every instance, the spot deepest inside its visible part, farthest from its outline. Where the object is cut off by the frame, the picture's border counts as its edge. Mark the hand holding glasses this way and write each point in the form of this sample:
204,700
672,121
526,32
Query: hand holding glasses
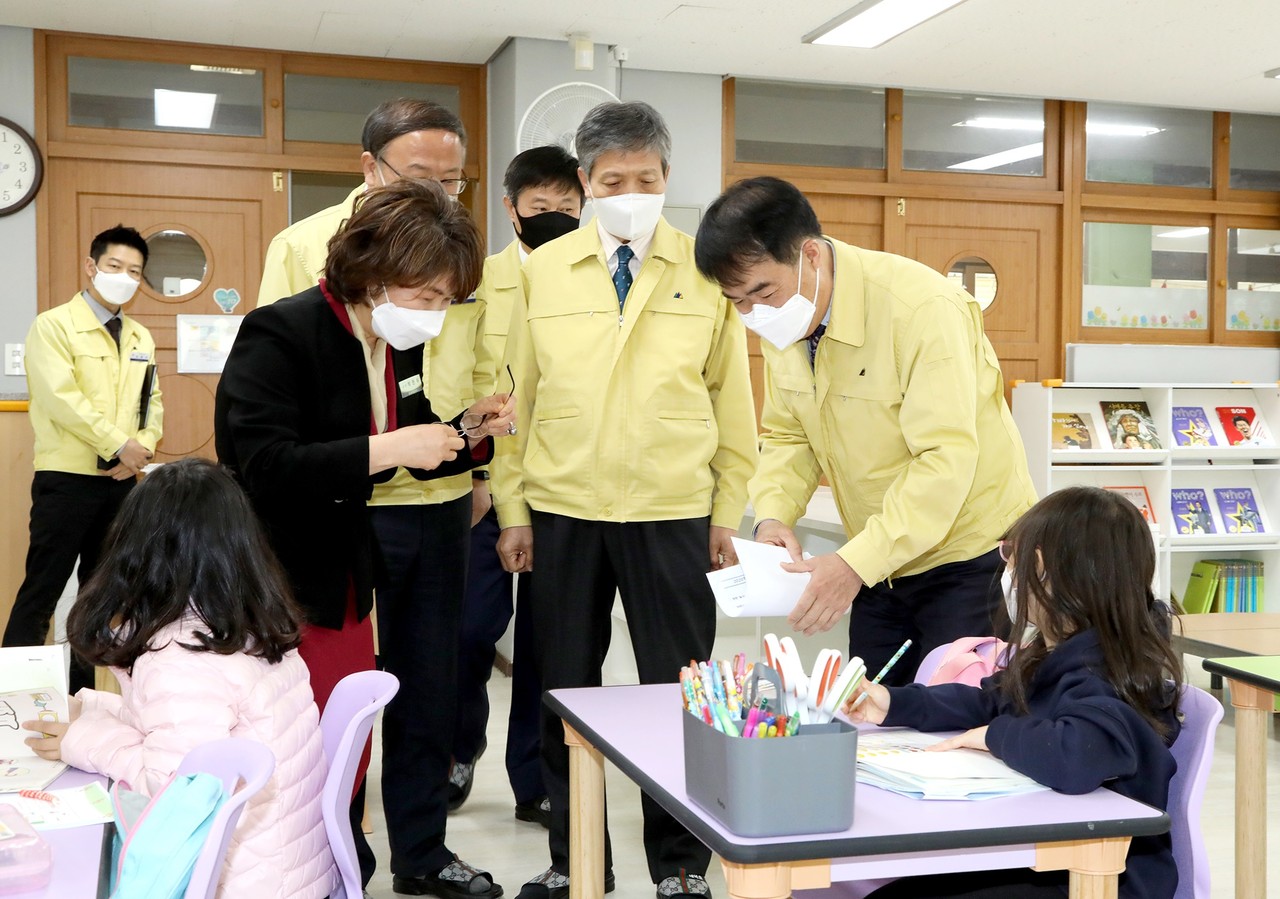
491,416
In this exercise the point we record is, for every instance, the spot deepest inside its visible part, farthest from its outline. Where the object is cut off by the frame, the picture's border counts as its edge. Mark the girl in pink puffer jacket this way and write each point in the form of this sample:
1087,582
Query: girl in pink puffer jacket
191,611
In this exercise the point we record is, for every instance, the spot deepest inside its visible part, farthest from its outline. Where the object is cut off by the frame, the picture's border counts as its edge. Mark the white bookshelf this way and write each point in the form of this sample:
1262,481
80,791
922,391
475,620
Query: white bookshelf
1163,470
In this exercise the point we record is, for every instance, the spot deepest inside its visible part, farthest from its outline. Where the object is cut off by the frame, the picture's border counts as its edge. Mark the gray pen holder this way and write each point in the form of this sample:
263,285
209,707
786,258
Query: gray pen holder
770,787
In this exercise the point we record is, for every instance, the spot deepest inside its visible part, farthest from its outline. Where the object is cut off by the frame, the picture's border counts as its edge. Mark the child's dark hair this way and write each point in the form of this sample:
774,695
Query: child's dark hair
1083,559
186,538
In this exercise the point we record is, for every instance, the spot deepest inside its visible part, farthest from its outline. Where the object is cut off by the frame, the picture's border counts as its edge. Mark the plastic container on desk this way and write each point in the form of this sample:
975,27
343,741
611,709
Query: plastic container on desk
773,787
25,860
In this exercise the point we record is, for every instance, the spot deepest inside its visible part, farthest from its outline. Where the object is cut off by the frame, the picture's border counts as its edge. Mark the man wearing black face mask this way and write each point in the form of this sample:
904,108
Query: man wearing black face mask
544,201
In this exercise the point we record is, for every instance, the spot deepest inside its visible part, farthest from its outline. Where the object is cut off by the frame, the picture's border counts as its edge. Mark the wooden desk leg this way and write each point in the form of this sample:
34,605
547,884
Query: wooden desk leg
1253,709
586,817
1095,865
776,880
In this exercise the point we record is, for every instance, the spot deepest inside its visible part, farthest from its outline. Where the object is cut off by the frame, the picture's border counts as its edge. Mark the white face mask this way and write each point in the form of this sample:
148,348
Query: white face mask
629,216
404,328
116,288
1010,594
784,325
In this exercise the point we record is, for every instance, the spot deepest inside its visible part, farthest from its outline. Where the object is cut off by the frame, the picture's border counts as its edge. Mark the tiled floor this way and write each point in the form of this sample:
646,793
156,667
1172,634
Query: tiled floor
485,832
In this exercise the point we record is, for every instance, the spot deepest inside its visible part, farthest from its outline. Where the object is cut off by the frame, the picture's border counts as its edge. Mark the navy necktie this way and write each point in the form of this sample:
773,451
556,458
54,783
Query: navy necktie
813,343
113,326
622,277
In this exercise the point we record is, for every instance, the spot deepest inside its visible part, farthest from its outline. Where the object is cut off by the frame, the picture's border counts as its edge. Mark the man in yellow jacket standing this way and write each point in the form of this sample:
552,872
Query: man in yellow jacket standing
95,410
879,377
635,444
423,527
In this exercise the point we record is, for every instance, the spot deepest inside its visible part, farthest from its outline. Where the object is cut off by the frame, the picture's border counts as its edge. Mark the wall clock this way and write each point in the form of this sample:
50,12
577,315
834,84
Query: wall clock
21,168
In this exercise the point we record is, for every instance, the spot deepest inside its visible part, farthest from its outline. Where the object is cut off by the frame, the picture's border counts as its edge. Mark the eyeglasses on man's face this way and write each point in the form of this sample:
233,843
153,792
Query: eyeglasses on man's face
452,186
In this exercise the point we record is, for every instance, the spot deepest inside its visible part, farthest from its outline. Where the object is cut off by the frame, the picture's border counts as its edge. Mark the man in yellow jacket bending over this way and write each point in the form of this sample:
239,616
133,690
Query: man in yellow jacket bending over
636,440
95,410
877,375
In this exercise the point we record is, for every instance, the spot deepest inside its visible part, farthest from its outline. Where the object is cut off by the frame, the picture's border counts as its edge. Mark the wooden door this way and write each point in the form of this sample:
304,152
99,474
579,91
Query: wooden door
231,213
1020,241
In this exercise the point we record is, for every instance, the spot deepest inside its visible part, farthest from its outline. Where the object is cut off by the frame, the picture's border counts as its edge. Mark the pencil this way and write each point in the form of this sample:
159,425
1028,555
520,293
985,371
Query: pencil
883,671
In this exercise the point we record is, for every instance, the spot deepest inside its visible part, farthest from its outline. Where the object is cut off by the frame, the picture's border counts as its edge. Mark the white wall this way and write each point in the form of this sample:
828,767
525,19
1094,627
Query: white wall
18,231
691,104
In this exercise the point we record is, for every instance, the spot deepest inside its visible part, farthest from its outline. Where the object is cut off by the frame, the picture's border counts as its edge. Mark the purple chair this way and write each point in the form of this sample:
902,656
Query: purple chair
1193,751
235,761
930,663
345,724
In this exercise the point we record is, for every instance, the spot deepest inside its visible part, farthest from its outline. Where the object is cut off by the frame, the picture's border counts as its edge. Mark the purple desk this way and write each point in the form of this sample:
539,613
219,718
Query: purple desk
638,728
77,852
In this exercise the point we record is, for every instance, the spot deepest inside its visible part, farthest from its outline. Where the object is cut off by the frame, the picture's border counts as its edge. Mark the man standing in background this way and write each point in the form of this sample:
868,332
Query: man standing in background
96,413
423,527
543,199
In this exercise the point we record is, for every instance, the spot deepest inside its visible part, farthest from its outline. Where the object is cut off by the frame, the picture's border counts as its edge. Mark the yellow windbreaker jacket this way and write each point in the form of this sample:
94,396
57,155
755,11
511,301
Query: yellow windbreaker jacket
904,413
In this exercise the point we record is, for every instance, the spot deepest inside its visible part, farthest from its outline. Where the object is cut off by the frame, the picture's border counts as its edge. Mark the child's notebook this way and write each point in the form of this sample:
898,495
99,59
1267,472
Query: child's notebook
895,760
33,687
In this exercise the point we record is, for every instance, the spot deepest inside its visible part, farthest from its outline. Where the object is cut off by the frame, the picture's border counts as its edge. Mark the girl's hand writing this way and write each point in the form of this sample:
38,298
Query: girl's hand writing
873,709
970,739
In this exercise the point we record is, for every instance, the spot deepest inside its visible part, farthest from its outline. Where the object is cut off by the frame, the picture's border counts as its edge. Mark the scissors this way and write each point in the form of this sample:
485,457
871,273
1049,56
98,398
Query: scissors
826,670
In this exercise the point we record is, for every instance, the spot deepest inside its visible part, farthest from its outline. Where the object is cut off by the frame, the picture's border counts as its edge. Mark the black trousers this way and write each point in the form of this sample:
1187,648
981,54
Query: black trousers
931,608
659,568
1010,883
70,514
419,613
486,612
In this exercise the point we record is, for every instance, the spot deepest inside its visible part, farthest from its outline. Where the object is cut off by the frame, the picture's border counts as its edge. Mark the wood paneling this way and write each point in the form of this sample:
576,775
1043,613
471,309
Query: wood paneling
17,449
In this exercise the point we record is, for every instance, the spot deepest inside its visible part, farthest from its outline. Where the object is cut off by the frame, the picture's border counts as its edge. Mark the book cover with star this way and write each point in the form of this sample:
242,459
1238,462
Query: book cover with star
1191,511
1239,510
1191,427
1244,426
1129,425
1071,431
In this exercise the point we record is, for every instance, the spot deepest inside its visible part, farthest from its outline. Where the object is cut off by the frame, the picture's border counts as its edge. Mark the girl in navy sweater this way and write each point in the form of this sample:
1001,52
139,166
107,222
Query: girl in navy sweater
1089,701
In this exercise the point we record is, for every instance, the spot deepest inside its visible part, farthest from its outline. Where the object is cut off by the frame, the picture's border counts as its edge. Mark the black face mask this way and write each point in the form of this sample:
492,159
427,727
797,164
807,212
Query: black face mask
535,230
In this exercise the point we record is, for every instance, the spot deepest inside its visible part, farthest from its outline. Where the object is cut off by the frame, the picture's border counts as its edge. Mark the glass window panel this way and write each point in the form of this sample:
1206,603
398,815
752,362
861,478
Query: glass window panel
1145,276
1149,145
309,192
966,133
1253,280
808,124
160,96
1255,164
332,110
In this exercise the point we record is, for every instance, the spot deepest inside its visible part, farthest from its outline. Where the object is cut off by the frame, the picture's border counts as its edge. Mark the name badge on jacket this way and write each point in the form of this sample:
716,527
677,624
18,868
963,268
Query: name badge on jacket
411,385
139,357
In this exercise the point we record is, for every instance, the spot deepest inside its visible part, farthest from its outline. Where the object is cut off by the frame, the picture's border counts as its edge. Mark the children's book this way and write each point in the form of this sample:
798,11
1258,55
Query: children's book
1239,510
896,760
1244,426
34,684
1191,427
1140,499
1129,425
1202,587
1071,431
1191,512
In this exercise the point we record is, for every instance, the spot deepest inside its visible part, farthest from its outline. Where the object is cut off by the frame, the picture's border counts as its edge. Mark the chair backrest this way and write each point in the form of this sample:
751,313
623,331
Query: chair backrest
345,724
244,767
1193,751
930,663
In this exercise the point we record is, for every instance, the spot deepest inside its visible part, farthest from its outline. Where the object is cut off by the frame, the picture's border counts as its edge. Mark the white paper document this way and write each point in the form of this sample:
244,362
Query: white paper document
896,760
33,687
757,585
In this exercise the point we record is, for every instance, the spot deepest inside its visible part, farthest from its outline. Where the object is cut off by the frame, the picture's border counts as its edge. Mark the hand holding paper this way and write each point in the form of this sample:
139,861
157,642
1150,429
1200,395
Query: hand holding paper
757,585
828,596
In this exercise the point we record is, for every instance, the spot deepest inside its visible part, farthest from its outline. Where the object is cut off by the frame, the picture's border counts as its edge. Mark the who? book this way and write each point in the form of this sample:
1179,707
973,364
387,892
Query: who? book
1239,510
1191,511
1191,427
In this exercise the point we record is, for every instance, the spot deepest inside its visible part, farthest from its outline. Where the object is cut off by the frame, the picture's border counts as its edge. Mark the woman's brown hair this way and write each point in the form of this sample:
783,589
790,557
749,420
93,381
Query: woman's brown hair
406,234
1084,560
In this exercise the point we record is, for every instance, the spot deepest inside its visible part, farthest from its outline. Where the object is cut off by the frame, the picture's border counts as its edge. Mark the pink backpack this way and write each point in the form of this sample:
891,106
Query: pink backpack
970,659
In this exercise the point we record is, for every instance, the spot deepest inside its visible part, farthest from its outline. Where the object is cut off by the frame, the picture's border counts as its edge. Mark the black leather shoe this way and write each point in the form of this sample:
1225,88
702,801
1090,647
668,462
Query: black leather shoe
462,776
457,880
536,810
550,885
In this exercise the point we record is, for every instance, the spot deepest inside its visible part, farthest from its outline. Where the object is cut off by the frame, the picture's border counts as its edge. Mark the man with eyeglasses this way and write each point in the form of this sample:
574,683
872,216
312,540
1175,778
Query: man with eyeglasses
423,527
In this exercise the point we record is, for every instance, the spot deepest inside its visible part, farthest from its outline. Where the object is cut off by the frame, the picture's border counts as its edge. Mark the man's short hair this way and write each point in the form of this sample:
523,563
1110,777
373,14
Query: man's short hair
120,235
396,118
633,127
550,166
754,220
